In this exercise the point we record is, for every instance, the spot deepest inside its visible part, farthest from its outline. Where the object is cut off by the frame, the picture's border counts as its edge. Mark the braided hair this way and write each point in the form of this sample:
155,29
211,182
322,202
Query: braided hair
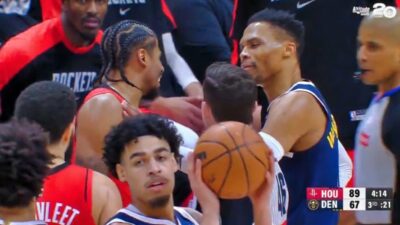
118,43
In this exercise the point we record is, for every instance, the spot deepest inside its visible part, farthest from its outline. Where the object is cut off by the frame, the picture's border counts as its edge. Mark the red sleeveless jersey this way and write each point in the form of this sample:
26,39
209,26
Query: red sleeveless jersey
123,187
67,196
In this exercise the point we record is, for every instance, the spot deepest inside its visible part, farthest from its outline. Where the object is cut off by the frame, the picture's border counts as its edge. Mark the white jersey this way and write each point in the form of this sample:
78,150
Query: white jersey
280,194
375,164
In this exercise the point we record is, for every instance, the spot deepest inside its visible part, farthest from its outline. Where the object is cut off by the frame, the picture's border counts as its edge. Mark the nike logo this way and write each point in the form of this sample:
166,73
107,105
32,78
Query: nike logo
124,11
302,5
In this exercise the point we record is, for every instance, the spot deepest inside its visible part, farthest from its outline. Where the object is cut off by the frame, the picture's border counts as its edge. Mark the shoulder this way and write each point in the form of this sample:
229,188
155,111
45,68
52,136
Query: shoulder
22,49
104,186
391,124
194,214
100,105
295,103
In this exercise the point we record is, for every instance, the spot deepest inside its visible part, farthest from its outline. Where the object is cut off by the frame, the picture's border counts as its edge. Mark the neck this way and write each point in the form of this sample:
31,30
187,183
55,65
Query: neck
73,35
280,82
166,212
389,84
131,94
18,214
57,151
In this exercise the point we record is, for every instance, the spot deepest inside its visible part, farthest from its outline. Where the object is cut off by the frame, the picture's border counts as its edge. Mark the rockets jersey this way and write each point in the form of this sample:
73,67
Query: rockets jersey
314,167
67,196
123,187
279,198
43,52
131,215
377,149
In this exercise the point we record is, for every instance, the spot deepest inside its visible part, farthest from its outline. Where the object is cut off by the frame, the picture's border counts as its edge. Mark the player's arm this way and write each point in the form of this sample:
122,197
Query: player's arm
207,199
106,200
294,116
95,119
184,75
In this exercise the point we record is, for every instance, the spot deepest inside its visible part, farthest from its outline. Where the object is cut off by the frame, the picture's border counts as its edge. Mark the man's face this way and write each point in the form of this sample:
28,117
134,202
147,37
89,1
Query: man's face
378,55
148,165
85,16
155,70
261,51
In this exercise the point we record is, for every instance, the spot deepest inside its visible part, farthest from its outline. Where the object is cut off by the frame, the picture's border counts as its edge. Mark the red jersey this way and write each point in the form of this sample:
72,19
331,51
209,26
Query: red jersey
67,196
123,187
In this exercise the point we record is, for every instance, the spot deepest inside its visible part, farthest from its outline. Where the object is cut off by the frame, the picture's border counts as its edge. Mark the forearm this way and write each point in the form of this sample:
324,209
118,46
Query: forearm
210,218
181,69
261,214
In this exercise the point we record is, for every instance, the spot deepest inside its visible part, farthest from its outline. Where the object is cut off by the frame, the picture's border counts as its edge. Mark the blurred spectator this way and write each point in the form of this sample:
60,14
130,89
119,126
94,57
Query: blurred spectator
202,36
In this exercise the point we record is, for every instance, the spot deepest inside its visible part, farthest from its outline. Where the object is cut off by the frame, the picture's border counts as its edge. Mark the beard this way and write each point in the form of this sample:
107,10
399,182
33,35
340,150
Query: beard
159,202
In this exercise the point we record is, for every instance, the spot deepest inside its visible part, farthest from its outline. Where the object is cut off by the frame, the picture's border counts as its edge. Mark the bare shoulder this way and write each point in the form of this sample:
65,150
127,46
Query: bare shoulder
101,181
101,103
194,213
296,102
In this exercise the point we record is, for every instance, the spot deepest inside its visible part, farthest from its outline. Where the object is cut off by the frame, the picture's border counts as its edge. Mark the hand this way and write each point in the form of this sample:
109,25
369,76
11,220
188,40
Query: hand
128,110
184,110
261,197
207,199
194,89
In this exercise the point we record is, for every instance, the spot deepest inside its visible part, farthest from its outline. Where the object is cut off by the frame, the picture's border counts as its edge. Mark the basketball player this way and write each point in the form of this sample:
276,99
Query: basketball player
298,116
230,94
141,150
71,194
23,166
131,69
377,156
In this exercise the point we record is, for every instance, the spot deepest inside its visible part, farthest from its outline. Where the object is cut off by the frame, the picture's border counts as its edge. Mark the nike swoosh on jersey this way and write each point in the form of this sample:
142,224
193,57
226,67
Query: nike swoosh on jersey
302,5
123,11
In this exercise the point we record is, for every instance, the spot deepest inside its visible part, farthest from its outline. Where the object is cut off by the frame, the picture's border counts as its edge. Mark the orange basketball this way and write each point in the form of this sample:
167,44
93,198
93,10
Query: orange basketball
234,159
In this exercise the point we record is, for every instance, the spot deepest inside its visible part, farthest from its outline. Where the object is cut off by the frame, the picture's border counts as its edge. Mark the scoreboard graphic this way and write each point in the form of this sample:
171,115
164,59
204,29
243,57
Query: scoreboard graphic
349,199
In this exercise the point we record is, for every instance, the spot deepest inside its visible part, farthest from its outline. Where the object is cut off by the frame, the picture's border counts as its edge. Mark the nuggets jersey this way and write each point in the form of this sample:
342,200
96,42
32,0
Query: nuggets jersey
315,167
131,215
377,147
67,196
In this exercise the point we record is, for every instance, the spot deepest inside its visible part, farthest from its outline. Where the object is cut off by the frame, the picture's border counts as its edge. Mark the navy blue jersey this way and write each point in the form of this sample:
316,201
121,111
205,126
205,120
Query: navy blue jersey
131,215
314,167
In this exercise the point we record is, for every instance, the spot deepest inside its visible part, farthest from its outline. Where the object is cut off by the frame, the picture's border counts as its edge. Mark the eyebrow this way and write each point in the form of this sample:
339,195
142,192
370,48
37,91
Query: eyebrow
141,154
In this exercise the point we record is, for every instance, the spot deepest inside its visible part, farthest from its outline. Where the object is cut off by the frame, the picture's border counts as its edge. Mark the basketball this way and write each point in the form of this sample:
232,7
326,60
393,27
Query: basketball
234,159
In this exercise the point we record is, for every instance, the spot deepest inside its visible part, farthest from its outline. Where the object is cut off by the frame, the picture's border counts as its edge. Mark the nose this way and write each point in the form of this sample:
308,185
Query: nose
244,54
361,54
154,167
92,7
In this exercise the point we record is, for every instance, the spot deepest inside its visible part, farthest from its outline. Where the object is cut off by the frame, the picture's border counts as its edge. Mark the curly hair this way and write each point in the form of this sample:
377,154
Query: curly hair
23,162
131,129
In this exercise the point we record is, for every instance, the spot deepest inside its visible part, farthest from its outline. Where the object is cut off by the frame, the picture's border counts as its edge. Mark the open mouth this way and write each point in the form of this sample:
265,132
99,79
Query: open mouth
157,185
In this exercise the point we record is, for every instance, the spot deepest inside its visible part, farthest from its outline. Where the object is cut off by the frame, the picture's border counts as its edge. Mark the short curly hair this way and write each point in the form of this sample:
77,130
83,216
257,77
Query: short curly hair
23,162
134,127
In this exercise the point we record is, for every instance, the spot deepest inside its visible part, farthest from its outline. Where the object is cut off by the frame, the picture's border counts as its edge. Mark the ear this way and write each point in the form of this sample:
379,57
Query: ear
208,118
142,56
66,137
120,172
289,49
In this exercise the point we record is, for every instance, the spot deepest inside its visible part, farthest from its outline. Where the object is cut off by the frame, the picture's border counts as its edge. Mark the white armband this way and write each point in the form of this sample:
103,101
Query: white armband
273,144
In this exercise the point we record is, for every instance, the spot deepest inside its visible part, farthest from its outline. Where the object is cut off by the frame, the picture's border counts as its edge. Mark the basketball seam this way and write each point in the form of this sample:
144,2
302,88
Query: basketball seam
228,149
243,162
229,152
